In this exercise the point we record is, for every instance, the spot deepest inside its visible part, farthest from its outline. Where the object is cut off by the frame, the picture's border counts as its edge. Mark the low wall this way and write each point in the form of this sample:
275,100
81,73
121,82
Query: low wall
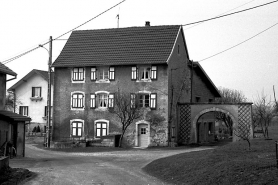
4,163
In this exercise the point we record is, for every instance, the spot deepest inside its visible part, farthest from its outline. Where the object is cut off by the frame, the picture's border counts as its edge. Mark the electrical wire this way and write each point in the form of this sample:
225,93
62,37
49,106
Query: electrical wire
197,22
29,51
240,42
220,16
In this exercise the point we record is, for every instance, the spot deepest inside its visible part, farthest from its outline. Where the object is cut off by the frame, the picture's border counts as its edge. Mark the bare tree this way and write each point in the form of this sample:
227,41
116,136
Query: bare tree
229,96
127,109
11,102
264,112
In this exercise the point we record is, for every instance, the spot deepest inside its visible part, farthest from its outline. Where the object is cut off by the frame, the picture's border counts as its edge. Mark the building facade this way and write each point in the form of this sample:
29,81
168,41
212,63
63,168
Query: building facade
31,94
149,63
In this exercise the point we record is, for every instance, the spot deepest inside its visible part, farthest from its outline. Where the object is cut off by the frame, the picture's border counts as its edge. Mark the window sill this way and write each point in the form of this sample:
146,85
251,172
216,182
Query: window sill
36,98
103,81
101,109
83,81
77,108
148,80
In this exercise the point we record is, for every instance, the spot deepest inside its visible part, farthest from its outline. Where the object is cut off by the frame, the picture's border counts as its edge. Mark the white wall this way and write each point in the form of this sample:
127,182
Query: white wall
24,93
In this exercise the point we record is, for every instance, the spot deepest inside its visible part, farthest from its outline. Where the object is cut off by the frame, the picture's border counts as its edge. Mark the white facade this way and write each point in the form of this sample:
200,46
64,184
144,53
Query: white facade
27,98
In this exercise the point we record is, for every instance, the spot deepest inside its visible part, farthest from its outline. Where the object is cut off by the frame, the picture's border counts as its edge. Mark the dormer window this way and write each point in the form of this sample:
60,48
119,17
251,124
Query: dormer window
78,74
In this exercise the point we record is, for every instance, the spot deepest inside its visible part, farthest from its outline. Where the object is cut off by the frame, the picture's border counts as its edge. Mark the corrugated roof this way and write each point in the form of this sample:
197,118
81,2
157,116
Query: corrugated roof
118,46
6,70
13,116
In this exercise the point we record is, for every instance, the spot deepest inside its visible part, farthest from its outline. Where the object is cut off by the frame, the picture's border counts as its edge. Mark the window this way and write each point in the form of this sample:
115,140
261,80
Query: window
78,74
144,73
143,130
210,100
77,128
23,110
102,99
101,129
77,100
144,100
45,111
103,73
36,91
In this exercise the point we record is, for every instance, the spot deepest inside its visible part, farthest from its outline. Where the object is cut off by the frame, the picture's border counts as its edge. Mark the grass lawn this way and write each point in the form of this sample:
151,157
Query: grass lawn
229,164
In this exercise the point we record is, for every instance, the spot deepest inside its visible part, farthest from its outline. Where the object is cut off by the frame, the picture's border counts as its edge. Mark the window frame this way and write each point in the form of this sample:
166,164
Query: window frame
76,135
34,91
24,109
80,107
76,77
143,104
101,121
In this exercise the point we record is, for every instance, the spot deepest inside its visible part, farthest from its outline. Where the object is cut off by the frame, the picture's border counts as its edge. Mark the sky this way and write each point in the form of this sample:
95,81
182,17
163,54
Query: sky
250,67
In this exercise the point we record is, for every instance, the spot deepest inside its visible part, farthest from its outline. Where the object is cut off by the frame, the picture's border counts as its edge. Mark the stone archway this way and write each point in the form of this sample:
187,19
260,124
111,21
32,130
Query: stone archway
188,114
213,109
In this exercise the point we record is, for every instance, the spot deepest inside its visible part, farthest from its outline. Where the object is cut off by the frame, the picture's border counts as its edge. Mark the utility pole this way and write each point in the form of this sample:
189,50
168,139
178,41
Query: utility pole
49,94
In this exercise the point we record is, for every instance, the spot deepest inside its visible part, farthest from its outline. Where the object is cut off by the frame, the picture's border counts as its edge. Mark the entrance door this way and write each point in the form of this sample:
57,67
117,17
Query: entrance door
143,135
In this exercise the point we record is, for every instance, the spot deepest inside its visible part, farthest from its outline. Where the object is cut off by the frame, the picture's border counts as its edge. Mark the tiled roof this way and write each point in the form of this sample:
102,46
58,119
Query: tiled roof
43,74
13,116
118,46
6,70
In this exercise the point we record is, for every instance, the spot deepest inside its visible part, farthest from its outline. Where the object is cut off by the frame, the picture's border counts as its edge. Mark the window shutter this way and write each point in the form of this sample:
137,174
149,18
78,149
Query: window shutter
154,73
93,101
153,101
33,92
111,100
111,73
132,100
93,74
133,73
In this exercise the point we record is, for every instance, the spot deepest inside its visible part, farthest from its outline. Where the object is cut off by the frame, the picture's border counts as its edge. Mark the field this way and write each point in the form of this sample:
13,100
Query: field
232,163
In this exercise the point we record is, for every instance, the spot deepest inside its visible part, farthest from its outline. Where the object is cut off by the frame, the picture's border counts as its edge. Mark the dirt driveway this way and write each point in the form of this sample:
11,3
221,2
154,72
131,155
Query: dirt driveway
117,167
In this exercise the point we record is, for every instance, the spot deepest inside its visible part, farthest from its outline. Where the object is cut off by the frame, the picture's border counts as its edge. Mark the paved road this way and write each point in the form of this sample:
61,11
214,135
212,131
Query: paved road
113,168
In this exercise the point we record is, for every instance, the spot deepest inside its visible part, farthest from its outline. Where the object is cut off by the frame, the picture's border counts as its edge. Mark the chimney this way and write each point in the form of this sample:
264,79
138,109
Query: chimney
148,23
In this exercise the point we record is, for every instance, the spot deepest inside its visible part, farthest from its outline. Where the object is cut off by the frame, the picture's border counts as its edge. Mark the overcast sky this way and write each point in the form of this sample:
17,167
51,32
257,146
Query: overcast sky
250,67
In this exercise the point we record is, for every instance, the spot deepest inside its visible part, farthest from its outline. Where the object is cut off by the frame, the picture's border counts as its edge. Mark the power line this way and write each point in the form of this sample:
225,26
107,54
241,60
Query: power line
198,22
29,51
220,16
239,43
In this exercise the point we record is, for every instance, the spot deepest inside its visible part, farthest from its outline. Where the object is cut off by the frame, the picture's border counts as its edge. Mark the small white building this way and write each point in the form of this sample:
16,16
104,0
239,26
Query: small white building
31,97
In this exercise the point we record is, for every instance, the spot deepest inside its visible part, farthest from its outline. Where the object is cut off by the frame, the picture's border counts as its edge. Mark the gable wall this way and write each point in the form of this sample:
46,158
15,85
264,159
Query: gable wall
62,102
202,87
180,75
35,108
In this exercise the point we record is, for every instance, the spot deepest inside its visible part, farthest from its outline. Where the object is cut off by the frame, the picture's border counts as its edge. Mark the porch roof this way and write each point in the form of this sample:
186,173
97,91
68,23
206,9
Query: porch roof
13,116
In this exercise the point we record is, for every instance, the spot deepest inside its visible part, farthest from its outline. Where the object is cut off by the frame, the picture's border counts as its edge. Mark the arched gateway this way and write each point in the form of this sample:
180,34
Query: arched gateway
189,113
